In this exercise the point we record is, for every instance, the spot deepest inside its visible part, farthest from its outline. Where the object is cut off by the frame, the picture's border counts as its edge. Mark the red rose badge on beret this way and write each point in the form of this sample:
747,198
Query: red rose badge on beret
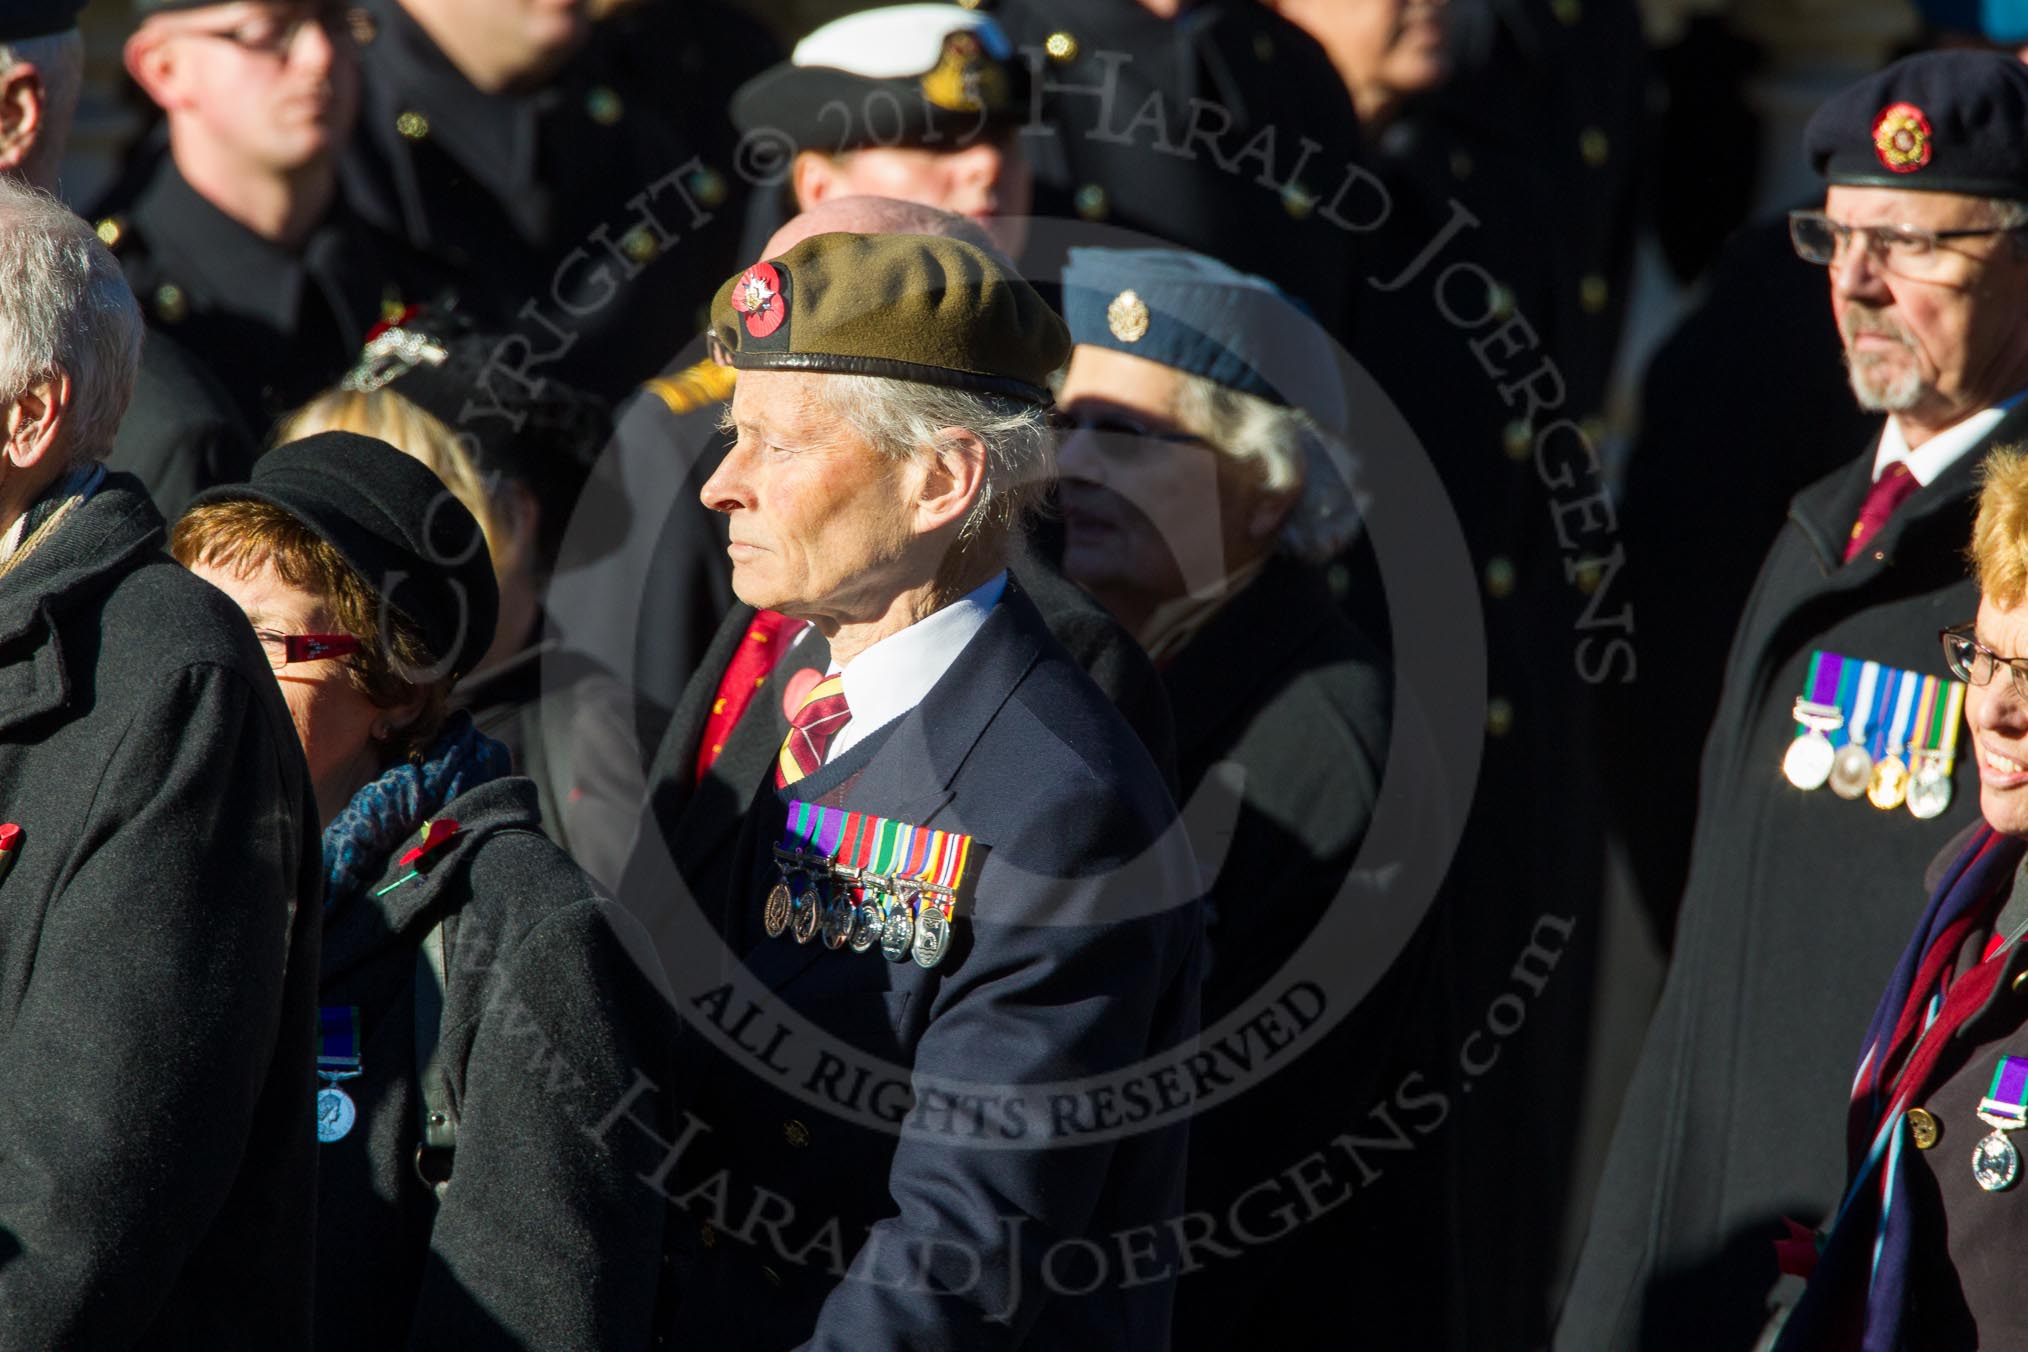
758,296
1901,137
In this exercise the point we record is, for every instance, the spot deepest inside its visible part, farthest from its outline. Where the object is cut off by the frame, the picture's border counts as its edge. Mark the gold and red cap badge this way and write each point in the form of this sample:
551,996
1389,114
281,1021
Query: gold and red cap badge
1902,138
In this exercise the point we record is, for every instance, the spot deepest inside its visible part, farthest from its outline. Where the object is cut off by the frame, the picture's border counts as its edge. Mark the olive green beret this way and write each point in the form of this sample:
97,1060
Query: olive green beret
911,307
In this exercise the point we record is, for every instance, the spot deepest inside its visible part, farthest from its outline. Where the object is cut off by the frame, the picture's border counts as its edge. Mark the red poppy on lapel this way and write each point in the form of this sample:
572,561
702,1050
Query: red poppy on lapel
434,835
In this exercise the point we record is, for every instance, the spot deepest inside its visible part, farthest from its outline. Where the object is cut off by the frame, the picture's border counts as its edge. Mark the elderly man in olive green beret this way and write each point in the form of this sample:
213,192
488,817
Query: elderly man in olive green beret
957,888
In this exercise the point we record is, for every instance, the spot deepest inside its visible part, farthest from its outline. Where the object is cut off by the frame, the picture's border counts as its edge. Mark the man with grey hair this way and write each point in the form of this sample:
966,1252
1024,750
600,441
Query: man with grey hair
1012,907
181,435
158,869
1824,787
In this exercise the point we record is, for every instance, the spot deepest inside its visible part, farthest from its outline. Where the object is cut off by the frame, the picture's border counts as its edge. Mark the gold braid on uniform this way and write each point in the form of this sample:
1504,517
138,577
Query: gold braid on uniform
694,387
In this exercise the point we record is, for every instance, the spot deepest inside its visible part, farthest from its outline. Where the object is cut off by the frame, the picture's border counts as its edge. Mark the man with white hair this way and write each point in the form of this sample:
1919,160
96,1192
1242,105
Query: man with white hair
960,871
158,930
181,434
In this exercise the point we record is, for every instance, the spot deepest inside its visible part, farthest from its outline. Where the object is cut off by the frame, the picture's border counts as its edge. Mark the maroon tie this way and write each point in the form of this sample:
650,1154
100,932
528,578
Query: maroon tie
1889,491
817,721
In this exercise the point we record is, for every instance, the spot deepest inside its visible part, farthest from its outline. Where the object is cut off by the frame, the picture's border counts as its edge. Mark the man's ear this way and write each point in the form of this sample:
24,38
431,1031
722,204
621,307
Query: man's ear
953,476
151,60
36,420
21,116
813,178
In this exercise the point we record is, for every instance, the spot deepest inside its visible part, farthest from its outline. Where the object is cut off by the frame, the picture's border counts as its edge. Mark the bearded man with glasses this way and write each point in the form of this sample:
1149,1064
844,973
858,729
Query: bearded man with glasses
1835,768
239,245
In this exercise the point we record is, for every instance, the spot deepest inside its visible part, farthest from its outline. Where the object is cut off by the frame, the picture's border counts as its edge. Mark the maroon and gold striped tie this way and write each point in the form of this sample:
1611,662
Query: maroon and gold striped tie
816,723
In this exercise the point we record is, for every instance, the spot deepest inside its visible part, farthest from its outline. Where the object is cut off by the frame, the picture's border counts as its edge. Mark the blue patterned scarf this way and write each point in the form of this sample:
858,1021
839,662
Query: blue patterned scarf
394,807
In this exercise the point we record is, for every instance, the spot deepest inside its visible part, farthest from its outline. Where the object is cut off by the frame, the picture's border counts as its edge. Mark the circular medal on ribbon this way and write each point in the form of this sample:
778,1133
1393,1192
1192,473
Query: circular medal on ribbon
1851,771
1808,762
897,932
775,915
1996,1163
867,921
805,922
932,936
1929,790
837,920
1890,784
335,1114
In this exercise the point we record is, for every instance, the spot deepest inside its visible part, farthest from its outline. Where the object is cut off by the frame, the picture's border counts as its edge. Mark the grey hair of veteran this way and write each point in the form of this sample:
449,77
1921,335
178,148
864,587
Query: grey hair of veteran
59,61
904,418
1291,451
64,306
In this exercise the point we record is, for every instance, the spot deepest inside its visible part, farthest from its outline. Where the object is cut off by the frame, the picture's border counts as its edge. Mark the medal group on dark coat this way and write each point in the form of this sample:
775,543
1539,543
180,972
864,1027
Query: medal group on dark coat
659,857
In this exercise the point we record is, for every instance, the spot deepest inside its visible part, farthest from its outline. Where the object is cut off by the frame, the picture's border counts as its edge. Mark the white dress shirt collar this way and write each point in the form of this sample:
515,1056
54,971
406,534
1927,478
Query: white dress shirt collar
891,677
1941,451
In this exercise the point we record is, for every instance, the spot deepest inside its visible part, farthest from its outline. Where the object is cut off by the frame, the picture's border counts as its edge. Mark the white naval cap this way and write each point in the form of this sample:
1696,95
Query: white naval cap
897,41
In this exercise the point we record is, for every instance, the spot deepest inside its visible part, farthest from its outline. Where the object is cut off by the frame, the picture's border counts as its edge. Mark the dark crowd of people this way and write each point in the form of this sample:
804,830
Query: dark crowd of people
1010,673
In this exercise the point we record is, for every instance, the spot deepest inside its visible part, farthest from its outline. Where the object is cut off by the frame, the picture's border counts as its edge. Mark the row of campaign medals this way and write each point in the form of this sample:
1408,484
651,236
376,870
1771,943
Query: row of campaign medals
1878,732
855,881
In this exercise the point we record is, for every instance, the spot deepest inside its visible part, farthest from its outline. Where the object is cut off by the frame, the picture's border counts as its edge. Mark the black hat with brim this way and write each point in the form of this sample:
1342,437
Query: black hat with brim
405,534
930,76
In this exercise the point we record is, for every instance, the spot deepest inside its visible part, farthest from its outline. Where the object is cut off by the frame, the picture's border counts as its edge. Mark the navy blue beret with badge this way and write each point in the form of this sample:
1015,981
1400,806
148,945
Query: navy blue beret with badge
1205,318
402,531
21,20
924,75
1994,20
1945,121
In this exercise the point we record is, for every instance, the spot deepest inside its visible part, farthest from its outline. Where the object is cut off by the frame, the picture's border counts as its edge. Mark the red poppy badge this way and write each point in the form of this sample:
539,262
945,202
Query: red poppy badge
758,295
1901,137
434,835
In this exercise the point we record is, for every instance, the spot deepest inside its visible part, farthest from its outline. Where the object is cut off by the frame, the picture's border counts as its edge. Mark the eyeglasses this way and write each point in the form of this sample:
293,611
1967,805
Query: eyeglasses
1900,248
1973,662
1065,424
283,649
274,34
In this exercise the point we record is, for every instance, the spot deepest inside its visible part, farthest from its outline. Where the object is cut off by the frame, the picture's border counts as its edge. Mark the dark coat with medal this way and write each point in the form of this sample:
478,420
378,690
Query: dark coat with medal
1051,975
158,944
1733,1120
544,1236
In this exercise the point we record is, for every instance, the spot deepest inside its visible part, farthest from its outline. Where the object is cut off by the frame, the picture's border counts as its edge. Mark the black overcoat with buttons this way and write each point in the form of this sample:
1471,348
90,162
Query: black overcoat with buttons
1225,130
1797,906
1056,973
158,953
595,215
546,1237
273,326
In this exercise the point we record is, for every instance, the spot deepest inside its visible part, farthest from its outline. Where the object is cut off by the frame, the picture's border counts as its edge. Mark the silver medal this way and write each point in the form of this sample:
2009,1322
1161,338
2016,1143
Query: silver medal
1929,791
932,936
837,918
1851,771
1807,763
867,920
1996,1163
897,931
335,1113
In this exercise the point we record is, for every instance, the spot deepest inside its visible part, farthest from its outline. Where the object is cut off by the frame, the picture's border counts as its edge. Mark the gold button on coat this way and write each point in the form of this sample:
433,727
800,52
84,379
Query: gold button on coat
795,1133
1922,1125
1061,46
